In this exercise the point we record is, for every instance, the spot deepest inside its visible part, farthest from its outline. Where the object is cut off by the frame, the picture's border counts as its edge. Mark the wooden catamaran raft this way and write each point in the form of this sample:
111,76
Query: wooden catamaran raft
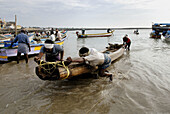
63,70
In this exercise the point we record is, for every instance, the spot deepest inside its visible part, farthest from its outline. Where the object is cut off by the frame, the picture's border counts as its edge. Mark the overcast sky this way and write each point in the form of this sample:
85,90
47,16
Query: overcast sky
85,13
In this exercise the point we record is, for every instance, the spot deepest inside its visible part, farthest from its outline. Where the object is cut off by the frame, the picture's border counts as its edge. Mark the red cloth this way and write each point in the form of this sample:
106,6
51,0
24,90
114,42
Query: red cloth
126,39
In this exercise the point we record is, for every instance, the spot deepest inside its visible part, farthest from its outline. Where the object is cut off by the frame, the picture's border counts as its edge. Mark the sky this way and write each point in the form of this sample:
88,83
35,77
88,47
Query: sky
86,13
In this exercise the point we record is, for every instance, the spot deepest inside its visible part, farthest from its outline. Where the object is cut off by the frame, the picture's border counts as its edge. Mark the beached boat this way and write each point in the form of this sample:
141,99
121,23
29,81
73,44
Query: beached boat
7,54
161,26
154,35
5,39
95,35
167,36
2,39
63,70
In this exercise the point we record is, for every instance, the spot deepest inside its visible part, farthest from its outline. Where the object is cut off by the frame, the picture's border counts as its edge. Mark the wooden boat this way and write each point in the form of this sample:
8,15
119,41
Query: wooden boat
161,26
136,32
156,36
95,35
5,40
7,54
167,37
4,37
59,71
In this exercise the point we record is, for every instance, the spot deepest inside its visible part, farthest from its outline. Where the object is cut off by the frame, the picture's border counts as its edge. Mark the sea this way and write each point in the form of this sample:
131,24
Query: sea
141,81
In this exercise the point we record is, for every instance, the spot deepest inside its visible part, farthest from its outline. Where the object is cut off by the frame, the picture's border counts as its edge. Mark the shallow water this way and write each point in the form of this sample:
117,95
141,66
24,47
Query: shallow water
140,85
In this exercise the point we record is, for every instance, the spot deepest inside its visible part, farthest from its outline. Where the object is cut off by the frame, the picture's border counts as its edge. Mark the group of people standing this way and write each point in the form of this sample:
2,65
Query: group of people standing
54,52
55,36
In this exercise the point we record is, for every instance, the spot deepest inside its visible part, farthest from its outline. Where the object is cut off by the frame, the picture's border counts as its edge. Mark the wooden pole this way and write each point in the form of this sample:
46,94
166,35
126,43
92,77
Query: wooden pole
15,25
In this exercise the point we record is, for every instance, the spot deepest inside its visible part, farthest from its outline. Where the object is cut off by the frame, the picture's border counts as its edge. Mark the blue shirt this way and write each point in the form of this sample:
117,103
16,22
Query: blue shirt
54,55
22,38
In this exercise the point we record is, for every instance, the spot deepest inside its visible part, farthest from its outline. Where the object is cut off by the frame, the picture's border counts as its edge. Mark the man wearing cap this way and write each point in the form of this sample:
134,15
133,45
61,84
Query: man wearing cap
23,45
52,51
58,35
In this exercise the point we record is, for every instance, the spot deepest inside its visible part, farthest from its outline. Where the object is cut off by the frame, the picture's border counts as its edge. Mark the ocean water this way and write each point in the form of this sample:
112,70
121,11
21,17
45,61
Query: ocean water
140,84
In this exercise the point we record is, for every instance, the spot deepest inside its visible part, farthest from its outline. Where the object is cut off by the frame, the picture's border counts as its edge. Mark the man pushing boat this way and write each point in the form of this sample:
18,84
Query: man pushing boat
54,52
99,61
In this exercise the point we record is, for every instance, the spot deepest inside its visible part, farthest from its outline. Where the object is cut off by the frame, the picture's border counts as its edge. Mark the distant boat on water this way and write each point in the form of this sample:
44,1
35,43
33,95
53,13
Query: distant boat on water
136,32
95,35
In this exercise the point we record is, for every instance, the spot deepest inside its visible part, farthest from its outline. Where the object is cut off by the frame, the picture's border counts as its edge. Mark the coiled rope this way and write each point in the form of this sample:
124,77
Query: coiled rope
54,65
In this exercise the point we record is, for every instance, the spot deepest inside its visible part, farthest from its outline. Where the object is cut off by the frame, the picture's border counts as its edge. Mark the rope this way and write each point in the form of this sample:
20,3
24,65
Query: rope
54,64
68,72
48,69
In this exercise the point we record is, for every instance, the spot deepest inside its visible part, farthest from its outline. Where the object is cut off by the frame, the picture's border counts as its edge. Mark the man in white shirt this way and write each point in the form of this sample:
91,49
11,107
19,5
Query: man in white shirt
58,35
98,60
52,36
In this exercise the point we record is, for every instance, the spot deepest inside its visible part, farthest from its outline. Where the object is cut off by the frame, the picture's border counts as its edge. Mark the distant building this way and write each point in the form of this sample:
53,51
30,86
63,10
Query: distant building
8,25
2,23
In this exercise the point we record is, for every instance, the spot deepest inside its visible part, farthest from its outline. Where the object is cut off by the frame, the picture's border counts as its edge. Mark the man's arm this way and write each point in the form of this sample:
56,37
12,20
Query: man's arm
40,55
29,46
15,40
80,59
61,55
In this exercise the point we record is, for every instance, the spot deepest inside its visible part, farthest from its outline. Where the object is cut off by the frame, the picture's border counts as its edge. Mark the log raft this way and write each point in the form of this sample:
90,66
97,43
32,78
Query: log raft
115,51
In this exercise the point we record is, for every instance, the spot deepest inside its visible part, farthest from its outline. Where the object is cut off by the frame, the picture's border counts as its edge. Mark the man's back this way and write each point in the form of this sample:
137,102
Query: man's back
21,38
95,57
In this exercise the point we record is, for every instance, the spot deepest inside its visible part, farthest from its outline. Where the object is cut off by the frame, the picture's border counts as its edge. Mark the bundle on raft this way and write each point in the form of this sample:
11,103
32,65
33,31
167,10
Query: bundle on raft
65,69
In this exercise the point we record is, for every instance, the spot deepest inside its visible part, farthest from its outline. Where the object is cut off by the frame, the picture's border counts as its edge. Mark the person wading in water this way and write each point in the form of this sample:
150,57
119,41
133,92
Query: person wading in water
99,61
126,42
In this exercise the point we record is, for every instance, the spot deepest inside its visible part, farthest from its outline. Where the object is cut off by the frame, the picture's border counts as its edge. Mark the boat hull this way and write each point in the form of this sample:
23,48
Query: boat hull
95,35
155,36
167,38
